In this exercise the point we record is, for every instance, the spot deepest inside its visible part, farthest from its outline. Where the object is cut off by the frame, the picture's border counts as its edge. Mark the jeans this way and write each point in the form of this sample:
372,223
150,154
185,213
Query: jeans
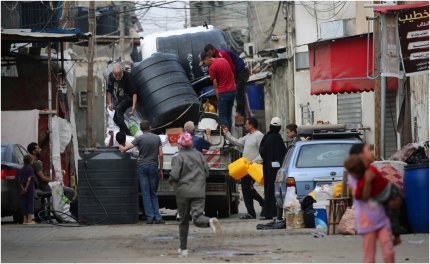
225,108
149,177
241,80
118,118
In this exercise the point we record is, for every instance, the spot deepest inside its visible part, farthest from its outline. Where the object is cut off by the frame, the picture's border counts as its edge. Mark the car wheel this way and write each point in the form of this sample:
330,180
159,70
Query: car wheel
18,218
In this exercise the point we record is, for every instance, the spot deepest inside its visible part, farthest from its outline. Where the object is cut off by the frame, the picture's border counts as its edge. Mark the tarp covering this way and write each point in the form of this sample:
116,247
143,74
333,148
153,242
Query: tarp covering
20,127
340,65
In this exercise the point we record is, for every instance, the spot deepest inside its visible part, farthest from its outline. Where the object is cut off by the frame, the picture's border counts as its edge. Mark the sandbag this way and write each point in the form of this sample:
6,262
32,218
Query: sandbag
347,223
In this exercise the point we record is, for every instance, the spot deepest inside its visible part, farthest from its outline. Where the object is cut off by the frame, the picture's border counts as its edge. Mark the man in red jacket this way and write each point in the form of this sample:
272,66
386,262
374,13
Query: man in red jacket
241,75
225,89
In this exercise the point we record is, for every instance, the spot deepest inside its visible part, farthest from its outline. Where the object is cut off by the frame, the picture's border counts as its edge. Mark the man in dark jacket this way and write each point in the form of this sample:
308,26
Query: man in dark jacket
188,177
272,150
121,94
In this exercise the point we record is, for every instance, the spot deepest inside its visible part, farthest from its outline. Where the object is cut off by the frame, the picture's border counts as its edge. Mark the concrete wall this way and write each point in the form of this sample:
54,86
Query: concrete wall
420,107
262,14
275,94
99,100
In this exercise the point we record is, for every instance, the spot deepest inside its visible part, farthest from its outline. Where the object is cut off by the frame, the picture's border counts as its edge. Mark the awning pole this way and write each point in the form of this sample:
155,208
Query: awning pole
50,108
382,128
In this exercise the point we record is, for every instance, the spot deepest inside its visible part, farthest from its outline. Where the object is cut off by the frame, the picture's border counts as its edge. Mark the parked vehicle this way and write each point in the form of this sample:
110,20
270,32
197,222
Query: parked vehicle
12,160
315,161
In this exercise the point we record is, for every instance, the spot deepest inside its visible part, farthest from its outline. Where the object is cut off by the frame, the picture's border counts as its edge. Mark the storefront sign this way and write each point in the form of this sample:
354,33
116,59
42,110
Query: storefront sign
414,39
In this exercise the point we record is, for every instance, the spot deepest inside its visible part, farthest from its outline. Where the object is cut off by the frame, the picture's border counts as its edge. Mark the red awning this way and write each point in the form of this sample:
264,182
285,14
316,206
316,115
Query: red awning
385,9
339,66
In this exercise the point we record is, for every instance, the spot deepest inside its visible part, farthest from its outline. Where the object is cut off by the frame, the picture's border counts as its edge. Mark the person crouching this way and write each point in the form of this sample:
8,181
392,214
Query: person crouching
188,177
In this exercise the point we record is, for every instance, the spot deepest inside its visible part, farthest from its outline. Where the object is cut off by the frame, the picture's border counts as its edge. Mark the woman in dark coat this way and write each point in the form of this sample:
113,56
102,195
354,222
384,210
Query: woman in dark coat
272,150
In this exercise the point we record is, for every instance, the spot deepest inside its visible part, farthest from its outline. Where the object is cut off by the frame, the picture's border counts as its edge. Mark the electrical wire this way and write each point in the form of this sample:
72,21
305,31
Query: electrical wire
272,27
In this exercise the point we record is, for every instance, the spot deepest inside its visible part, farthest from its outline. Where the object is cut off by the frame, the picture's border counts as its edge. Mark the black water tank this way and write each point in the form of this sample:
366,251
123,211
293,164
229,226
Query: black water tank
191,43
107,180
164,91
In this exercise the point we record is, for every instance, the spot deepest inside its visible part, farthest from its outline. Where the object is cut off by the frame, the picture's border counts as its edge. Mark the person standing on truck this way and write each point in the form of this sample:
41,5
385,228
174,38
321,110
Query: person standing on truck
223,81
188,177
272,150
121,94
250,144
199,143
150,157
241,75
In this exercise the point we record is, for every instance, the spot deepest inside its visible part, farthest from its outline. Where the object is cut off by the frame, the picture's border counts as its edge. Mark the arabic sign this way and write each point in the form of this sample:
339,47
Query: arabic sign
414,39
390,49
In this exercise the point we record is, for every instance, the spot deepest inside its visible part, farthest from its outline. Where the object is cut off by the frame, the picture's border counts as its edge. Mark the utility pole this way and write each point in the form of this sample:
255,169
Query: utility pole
122,32
291,39
186,18
376,53
90,79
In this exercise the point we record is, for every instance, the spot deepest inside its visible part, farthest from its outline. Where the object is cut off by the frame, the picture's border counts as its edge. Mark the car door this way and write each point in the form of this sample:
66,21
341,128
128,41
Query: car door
318,163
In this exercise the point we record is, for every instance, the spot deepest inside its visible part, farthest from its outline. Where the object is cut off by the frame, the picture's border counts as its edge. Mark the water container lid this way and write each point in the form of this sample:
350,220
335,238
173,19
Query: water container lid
425,164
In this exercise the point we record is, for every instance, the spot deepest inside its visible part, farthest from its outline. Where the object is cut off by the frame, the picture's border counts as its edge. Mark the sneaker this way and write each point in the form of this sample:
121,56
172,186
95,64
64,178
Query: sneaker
149,221
158,222
215,225
183,252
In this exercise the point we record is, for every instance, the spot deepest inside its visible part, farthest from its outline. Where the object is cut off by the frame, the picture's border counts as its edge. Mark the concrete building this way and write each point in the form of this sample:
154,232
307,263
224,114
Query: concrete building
231,17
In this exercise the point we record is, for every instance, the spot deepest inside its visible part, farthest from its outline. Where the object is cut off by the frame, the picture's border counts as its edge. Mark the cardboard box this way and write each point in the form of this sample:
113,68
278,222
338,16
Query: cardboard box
173,135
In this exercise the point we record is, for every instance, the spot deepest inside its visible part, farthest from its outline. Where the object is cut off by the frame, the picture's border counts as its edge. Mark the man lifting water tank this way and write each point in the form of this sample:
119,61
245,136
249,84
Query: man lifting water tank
121,95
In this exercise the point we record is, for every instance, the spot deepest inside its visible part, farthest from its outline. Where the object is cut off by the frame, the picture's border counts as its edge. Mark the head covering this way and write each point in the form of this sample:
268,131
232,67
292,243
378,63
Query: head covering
276,121
185,140
274,129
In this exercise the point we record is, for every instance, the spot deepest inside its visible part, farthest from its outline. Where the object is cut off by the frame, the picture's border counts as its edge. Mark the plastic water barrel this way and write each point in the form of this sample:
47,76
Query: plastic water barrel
164,91
255,97
191,44
108,181
416,191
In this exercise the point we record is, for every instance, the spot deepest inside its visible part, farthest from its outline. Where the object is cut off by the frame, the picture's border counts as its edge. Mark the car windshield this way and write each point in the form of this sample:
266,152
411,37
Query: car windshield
323,155
3,152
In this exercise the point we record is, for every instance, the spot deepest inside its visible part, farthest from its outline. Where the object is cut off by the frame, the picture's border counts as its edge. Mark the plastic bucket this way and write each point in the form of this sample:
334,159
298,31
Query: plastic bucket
416,190
320,216
239,168
256,172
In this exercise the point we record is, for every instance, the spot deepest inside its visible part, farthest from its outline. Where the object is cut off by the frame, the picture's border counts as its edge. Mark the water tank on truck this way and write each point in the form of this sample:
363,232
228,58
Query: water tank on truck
186,44
165,95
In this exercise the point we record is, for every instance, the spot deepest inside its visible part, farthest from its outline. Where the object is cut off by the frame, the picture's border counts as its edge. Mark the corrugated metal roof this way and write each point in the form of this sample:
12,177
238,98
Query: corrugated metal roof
16,35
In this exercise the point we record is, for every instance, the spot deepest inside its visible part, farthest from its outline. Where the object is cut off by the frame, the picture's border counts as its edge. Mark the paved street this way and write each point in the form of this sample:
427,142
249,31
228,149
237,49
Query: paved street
241,242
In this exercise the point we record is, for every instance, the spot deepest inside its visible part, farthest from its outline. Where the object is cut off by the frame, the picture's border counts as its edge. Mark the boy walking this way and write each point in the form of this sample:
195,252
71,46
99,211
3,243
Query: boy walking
26,179
188,176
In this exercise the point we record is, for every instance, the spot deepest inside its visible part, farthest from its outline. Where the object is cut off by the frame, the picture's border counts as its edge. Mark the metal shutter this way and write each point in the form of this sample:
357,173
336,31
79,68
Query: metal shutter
349,109
390,136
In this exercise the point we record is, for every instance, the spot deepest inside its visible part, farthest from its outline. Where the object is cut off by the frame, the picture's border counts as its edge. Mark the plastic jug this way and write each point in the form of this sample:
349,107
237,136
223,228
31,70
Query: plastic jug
239,168
256,172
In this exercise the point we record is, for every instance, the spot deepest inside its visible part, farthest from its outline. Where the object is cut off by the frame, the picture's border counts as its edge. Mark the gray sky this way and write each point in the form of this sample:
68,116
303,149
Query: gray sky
163,19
